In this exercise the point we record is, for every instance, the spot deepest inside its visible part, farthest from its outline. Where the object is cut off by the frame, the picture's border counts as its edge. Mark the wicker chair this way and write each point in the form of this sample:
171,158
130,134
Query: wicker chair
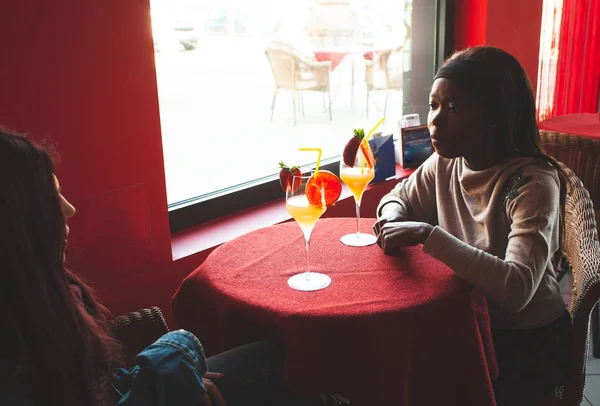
384,72
137,330
293,72
291,48
581,249
582,156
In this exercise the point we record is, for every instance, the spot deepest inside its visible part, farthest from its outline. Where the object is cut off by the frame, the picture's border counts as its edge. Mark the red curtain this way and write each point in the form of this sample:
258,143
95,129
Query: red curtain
578,65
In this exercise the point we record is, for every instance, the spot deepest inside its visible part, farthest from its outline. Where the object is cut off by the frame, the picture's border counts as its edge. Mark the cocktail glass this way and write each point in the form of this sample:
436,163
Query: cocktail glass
357,177
306,215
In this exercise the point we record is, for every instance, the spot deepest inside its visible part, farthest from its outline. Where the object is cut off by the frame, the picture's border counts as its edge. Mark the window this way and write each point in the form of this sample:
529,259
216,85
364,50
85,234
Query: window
227,70
549,49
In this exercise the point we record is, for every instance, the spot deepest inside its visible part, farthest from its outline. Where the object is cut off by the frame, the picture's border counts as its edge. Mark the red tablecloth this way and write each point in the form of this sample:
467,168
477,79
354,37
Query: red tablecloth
586,125
387,331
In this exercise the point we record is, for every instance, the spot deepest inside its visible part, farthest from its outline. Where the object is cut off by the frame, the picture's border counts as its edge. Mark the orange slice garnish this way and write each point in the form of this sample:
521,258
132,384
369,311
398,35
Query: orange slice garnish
326,182
367,153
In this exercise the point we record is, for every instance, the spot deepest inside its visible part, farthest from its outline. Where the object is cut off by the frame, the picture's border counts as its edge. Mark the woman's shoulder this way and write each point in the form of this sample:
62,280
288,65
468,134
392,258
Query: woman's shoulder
536,169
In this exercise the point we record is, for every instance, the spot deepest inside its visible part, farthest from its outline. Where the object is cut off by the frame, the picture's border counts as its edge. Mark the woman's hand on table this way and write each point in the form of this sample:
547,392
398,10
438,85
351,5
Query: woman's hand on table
395,235
213,396
390,213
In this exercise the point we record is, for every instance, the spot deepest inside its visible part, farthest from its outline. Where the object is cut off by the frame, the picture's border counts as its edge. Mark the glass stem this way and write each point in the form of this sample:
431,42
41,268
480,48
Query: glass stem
307,274
357,217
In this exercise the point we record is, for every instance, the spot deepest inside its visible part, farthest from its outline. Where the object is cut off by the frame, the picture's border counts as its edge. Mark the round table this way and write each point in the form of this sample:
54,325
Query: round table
585,125
387,331
337,54
574,139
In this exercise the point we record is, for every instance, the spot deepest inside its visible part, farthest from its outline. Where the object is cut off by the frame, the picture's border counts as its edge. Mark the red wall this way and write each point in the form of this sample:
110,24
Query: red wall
82,74
469,23
513,25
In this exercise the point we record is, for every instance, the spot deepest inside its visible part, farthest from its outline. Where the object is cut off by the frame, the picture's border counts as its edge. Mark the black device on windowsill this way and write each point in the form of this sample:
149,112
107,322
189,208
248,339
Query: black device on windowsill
416,146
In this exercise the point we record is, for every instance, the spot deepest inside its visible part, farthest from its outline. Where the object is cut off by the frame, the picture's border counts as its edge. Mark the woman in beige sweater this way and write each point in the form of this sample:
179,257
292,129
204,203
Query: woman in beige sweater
487,204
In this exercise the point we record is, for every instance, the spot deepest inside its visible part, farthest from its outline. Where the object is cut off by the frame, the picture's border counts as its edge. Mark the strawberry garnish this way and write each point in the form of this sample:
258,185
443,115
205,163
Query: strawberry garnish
323,187
351,148
286,174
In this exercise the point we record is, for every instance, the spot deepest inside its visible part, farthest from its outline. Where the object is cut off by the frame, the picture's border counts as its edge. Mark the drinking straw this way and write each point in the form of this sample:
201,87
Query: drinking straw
374,128
318,156
362,167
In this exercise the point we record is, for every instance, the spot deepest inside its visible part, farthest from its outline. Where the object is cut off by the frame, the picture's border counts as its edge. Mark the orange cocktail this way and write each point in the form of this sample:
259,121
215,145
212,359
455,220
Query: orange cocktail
357,169
357,179
306,199
305,214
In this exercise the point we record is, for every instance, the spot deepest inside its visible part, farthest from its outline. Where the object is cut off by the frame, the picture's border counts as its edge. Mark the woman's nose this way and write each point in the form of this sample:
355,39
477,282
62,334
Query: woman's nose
435,117
72,211
67,208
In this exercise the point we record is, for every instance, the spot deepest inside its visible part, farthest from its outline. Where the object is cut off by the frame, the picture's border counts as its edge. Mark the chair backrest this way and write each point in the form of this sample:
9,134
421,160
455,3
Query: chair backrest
284,64
283,45
581,249
137,330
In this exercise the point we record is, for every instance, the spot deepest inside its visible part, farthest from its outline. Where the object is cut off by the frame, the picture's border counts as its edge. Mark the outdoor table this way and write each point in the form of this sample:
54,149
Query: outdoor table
337,54
389,330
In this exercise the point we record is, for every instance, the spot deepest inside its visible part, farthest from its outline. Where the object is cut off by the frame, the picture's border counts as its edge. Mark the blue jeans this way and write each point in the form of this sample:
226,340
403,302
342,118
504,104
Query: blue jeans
169,372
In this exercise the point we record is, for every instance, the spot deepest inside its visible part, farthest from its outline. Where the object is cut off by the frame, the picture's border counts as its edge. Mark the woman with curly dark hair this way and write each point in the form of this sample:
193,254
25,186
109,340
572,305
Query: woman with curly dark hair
59,350
55,345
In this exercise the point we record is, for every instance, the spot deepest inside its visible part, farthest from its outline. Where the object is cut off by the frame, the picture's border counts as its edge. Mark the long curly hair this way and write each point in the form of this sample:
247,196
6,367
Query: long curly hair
63,348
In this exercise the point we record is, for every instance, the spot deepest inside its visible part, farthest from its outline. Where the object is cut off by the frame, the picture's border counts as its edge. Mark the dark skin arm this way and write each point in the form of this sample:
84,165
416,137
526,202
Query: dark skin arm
394,232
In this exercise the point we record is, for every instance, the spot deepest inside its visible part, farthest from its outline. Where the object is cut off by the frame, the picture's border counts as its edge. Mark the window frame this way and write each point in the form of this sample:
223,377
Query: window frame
198,210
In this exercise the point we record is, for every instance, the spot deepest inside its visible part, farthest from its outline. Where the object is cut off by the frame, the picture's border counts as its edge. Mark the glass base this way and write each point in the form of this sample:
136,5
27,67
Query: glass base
358,239
316,281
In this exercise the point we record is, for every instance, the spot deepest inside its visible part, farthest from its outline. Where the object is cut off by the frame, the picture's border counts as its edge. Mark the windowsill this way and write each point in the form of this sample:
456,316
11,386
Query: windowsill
223,229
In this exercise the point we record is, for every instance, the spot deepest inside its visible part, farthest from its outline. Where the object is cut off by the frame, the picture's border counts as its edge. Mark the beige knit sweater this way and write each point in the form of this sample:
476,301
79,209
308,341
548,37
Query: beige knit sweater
497,228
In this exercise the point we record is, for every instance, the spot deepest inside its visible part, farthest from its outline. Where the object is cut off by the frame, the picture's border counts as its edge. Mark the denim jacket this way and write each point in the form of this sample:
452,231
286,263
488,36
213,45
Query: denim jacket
168,372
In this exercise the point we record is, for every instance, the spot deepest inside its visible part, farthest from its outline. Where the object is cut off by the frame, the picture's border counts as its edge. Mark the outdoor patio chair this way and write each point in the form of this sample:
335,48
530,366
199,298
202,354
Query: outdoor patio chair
294,73
289,47
384,72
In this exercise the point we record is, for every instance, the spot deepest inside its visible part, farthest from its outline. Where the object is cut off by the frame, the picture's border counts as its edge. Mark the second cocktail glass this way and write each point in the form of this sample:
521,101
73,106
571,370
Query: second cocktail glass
357,178
306,215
